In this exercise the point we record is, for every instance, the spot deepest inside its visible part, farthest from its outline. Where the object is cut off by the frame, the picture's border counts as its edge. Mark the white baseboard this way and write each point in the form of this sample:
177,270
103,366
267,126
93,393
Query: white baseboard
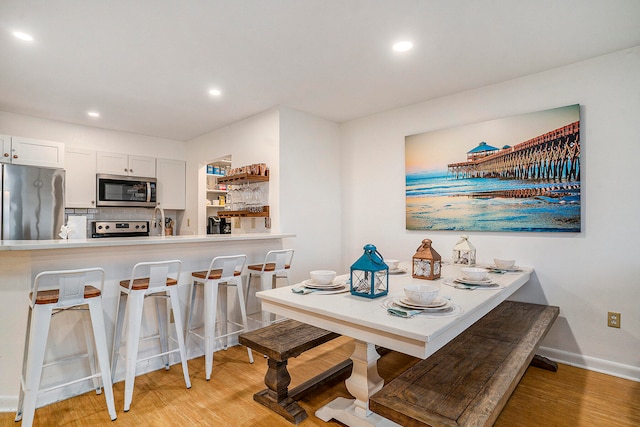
592,363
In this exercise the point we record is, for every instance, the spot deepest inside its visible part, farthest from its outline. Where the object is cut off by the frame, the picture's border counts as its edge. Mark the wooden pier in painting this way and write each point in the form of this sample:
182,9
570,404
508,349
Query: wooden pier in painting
553,156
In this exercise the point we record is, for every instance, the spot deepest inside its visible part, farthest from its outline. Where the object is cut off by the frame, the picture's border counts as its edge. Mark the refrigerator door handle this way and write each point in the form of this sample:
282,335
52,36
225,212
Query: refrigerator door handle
5,218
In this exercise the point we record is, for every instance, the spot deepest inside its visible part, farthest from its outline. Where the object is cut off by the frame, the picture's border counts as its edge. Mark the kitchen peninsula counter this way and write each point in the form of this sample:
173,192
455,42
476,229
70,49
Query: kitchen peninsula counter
22,260
30,245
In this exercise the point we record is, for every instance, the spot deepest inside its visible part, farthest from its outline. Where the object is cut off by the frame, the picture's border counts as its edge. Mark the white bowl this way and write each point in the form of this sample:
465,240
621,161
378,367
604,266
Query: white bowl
474,273
323,277
422,294
392,263
504,263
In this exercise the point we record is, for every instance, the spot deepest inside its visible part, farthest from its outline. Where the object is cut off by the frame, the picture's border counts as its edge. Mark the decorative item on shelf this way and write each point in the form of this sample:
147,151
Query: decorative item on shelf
464,253
427,262
370,274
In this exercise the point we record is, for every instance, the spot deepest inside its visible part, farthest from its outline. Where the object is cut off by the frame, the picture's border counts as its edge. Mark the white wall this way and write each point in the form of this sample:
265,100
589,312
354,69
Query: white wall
585,274
310,188
90,138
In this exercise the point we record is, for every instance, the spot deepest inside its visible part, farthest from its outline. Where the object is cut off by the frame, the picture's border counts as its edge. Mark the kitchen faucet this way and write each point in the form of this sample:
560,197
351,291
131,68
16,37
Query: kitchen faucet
154,221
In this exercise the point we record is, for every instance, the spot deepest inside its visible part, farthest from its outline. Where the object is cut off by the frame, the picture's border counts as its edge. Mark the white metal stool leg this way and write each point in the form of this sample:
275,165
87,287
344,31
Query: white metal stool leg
243,313
177,316
40,322
134,320
210,312
162,310
100,338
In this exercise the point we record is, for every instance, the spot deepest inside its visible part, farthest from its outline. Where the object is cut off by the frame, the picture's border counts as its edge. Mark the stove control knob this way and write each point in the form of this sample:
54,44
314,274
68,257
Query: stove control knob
137,226
107,227
143,226
99,227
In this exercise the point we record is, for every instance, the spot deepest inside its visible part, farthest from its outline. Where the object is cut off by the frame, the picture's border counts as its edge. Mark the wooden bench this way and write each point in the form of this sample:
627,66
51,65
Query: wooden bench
279,342
468,381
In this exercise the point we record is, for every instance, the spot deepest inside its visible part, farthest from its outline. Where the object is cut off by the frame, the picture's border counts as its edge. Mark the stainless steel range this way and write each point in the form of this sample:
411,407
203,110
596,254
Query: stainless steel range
119,228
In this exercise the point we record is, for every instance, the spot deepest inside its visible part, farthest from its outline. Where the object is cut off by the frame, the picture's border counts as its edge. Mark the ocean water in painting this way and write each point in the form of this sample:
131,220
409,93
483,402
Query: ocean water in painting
436,201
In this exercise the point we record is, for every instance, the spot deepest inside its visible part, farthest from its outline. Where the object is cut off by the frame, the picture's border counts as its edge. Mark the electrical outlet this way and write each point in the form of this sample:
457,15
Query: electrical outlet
253,223
613,319
236,223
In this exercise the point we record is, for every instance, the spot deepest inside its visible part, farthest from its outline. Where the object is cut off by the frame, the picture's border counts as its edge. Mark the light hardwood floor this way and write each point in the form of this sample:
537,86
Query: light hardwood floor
569,397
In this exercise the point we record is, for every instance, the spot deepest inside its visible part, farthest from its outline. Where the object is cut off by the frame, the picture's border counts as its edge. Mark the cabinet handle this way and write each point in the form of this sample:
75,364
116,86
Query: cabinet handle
131,170
15,156
93,202
6,154
126,170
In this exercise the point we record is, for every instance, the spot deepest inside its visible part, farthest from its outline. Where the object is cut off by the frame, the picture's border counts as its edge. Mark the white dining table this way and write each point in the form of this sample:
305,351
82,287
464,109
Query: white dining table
368,322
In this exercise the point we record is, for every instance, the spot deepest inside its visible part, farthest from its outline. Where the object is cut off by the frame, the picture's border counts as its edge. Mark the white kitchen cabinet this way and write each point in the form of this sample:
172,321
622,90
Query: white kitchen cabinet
171,189
32,152
5,146
80,179
126,164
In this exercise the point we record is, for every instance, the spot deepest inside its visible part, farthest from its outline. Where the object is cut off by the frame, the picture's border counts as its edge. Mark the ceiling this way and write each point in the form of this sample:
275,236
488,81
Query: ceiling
147,65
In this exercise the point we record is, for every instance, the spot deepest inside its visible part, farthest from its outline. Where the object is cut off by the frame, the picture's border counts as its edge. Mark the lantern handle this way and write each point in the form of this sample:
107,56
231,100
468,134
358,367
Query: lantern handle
425,244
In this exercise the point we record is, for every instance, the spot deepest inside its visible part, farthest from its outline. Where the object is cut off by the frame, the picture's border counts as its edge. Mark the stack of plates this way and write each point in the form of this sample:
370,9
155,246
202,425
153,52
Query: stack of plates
513,269
439,304
483,282
333,286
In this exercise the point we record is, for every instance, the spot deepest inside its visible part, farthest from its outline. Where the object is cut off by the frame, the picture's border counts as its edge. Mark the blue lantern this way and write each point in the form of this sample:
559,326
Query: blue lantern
370,274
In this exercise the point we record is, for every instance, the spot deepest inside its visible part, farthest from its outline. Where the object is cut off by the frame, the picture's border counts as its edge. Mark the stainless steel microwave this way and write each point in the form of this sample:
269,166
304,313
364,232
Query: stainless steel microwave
125,191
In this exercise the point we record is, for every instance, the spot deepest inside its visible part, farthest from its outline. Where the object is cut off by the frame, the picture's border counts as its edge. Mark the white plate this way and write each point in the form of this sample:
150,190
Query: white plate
513,269
407,303
444,309
398,271
475,282
309,283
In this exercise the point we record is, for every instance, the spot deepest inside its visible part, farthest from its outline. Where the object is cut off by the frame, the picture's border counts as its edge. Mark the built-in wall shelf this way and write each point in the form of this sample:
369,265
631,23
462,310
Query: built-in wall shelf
244,213
242,178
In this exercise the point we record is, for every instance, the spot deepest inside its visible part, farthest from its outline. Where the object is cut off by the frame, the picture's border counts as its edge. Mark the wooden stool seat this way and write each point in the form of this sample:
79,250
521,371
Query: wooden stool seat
266,267
213,275
52,296
143,283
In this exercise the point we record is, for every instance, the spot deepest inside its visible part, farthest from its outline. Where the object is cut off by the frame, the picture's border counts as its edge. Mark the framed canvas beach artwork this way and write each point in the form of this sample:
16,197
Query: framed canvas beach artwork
519,173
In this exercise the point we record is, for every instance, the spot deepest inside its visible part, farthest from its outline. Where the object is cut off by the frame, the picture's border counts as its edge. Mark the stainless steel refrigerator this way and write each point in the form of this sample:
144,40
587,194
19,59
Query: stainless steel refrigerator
32,202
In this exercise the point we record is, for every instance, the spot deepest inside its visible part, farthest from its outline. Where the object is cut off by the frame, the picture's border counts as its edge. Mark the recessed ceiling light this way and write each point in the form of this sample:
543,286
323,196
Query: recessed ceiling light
93,114
402,46
23,36
215,92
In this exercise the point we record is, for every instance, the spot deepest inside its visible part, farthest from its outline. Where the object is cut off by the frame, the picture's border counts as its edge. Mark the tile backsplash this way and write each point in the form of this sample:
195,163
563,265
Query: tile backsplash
124,214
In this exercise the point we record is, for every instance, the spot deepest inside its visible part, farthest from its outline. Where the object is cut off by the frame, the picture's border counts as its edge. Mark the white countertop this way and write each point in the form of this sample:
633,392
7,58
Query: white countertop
30,245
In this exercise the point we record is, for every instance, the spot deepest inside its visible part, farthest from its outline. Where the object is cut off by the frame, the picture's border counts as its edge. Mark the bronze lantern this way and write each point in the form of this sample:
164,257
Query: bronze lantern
427,262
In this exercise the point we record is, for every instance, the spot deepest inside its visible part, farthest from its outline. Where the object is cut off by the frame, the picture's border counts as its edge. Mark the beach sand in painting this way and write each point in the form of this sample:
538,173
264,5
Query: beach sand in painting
474,213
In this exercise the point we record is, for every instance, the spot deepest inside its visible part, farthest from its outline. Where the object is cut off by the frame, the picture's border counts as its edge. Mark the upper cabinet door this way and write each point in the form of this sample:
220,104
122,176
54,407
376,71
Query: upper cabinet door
171,184
5,149
142,166
80,180
123,164
37,152
112,163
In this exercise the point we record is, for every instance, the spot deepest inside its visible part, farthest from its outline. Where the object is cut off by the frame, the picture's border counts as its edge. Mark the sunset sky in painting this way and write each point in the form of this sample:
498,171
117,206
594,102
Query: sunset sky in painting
432,151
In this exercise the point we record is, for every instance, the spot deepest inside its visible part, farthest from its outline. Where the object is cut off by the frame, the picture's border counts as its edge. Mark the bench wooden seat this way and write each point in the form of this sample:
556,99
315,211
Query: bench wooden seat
279,342
468,381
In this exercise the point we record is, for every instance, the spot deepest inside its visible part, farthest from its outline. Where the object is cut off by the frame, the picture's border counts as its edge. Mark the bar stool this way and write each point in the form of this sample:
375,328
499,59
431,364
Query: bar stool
223,272
275,266
155,282
63,290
